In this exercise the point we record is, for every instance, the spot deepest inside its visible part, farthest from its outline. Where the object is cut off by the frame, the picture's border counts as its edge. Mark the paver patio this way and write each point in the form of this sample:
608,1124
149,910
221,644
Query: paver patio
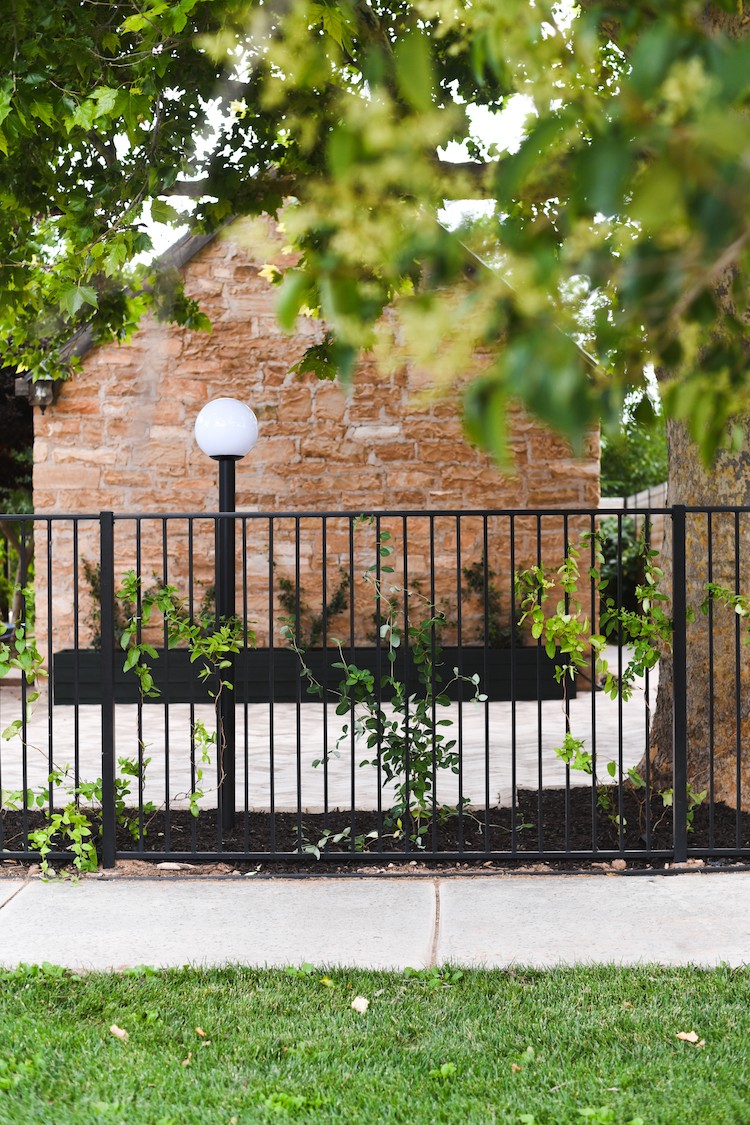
277,742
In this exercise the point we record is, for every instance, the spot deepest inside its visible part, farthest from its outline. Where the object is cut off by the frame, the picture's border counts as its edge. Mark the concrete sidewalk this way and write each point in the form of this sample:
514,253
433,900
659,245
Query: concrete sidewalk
378,922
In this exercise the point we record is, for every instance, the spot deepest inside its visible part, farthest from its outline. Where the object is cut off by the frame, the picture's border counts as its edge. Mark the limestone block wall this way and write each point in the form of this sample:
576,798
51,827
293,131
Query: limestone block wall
120,438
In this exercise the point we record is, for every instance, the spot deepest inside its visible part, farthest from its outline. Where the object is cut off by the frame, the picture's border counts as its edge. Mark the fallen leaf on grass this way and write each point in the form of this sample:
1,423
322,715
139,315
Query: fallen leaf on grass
201,1032
691,1037
119,1033
516,1068
188,1060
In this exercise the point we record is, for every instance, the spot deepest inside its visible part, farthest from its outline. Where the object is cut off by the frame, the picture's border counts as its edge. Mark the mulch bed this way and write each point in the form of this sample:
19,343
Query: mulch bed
562,822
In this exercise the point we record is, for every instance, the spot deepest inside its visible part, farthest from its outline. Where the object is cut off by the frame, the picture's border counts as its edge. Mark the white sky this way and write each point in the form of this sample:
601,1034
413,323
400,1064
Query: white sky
505,130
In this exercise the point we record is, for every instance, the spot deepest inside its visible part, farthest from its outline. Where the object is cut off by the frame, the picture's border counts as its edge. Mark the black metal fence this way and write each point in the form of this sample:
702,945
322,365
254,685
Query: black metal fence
458,686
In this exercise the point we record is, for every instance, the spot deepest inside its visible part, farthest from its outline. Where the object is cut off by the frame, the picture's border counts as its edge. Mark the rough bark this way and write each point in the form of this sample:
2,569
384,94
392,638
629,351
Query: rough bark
718,659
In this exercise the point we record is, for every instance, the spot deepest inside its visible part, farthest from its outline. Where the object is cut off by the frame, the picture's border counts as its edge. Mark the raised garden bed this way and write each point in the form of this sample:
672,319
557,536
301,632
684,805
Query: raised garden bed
261,674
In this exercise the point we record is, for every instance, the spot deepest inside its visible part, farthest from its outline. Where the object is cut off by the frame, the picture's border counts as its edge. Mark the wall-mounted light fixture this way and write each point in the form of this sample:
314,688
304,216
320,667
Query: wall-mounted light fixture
39,392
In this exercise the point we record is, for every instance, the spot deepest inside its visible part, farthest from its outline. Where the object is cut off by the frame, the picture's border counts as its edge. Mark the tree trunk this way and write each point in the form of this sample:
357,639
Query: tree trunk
717,549
718,659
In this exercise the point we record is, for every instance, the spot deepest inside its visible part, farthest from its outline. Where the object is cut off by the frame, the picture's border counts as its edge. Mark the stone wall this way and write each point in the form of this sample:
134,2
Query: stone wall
121,438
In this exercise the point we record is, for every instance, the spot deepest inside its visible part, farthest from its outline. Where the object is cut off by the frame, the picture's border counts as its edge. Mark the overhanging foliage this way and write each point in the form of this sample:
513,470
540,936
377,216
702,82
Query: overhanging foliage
622,220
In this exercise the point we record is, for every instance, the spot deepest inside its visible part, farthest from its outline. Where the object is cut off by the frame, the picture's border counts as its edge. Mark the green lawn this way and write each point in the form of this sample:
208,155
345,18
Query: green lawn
487,1046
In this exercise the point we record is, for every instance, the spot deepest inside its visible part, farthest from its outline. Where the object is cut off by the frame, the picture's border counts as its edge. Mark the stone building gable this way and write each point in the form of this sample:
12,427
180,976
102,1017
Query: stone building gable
121,434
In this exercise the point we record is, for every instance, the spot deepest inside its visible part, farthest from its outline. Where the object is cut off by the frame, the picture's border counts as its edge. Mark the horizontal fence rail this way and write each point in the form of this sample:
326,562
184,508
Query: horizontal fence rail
348,687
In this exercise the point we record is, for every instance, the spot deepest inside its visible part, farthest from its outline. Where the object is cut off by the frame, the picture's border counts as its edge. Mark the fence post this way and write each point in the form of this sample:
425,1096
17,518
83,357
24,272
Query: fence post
107,588
679,686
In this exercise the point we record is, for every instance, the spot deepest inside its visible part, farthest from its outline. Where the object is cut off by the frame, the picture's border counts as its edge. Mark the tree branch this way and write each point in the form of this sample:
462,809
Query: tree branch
254,187
106,151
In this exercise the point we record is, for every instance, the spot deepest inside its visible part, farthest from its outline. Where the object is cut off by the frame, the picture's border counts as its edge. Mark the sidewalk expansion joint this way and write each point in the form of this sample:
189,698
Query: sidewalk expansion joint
436,926
7,900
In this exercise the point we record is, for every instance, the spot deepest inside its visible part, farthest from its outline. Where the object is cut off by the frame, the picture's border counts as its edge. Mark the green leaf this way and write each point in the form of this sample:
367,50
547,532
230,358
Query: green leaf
106,99
134,23
75,296
294,292
414,70
42,111
163,212
485,410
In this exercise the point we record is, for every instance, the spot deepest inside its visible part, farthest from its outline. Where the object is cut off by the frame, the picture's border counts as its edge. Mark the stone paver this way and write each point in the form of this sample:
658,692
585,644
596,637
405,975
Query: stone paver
379,922
274,739
544,921
100,924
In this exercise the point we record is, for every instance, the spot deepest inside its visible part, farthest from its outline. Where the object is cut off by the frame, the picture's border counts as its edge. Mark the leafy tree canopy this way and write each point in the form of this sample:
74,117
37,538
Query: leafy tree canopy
622,220
634,459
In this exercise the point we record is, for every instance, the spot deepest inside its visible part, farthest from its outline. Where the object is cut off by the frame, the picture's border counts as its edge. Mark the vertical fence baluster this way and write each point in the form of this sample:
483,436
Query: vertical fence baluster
167,695
139,705
24,692
271,688
407,660
76,663
679,685
485,677
352,719
620,765
647,715
191,682
737,690
435,689
460,686
378,680
566,700
107,586
540,768
711,696
513,731
298,680
242,663
324,643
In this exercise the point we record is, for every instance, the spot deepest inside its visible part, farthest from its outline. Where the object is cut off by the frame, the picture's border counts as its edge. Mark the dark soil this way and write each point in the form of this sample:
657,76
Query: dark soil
566,828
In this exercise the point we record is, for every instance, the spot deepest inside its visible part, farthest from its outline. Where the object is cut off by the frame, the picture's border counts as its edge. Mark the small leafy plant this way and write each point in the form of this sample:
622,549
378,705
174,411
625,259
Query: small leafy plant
566,633
410,743
210,642
329,836
73,825
434,977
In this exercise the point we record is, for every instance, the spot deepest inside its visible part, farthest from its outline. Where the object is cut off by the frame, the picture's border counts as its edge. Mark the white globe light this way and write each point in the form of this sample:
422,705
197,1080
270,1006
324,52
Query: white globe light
226,428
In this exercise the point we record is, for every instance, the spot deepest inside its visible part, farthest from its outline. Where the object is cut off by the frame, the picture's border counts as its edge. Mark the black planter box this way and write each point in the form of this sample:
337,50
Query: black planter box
523,674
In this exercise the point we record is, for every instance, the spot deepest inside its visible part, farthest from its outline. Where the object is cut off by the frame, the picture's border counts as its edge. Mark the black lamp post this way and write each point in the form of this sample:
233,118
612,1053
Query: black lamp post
226,430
